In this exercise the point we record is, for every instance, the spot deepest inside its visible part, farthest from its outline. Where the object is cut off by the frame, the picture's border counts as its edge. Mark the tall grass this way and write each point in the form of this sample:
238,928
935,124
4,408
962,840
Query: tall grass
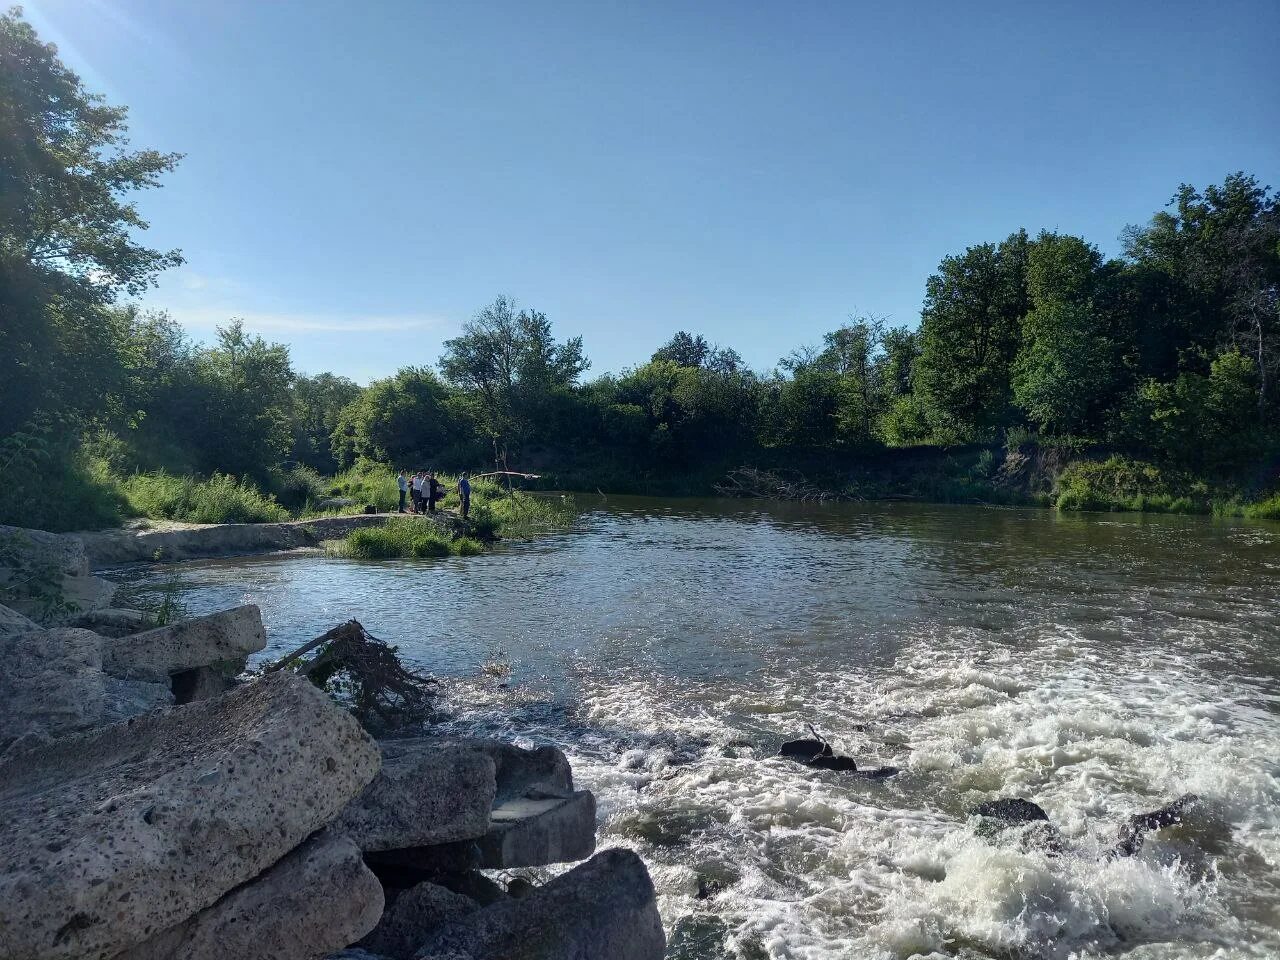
514,514
368,483
220,499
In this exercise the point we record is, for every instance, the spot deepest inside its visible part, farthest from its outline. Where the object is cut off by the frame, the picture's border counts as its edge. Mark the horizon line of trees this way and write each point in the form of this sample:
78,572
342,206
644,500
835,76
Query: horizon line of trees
1171,350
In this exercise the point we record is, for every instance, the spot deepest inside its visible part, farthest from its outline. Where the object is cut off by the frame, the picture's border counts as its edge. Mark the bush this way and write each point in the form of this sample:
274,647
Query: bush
1122,483
368,482
1268,509
514,514
50,487
404,537
220,499
299,486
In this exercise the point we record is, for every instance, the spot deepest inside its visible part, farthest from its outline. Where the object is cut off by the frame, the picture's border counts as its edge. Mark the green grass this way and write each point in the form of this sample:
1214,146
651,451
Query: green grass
416,537
515,515
219,499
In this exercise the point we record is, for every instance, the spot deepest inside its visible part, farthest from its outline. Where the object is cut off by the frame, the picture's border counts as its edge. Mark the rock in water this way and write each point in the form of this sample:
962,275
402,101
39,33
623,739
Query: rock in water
804,750
114,835
51,683
319,898
414,915
533,832
157,654
1025,818
603,909
1010,810
1134,833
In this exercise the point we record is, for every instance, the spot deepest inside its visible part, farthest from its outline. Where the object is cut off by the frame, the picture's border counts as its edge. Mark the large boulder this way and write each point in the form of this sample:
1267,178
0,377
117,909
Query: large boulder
319,898
159,653
111,621
11,621
113,835
124,699
427,792
533,832
414,914
57,563
603,908
51,683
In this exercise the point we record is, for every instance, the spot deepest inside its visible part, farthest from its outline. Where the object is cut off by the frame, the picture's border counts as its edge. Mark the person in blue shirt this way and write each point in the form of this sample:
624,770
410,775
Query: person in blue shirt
464,494
404,488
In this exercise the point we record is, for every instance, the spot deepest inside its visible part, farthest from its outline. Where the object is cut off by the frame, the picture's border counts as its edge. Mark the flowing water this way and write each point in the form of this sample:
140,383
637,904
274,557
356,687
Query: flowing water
1098,665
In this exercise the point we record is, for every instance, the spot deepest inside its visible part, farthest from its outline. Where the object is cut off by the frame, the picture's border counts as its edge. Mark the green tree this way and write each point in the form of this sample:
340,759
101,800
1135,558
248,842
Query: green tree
1200,421
411,420
1068,365
318,403
238,402
1220,251
66,230
970,330
512,363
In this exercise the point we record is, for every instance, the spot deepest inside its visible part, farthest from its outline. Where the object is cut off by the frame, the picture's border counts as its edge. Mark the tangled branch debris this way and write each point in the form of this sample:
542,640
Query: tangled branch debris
366,672
772,485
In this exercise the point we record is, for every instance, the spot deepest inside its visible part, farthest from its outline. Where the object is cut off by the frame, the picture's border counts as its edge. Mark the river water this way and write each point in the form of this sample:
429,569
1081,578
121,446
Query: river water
1098,665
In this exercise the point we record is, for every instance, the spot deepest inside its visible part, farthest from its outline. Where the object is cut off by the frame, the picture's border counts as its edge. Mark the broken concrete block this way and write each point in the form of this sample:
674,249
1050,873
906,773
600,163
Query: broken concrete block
533,832
428,792
159,653
414,914
113,835
51,683
11,621
603,908
319,898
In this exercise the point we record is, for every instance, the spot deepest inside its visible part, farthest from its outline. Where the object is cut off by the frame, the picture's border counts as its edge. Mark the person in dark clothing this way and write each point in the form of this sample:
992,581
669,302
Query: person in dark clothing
464,495
433,491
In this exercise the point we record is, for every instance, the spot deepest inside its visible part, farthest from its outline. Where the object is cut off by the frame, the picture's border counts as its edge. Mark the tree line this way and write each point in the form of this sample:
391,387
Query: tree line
1169,352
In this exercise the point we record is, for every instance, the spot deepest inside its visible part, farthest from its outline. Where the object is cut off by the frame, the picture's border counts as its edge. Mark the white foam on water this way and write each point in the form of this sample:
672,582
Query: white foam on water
818,865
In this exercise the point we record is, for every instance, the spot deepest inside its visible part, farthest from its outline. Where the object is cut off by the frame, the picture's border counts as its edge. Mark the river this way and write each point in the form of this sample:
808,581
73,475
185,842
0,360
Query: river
1100,665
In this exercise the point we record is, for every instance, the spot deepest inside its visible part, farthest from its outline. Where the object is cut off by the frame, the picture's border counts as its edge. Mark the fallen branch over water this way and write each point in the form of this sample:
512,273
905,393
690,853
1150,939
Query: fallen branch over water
367,672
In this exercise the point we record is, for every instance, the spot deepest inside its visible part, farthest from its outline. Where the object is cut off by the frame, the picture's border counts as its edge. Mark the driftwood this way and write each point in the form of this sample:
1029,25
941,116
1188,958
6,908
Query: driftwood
506,473
772,485
365,671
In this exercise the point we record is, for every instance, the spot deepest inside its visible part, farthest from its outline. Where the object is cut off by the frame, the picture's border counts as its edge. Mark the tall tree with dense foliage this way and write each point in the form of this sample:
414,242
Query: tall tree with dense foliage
67,228
1220,250
1068,363
509,358
970,331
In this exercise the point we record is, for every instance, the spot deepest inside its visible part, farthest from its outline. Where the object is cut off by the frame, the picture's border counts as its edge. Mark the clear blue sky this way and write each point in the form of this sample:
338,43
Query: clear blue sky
361,177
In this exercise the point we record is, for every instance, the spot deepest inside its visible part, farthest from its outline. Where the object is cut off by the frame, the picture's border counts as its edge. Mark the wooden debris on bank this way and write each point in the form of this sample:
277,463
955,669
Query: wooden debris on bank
366,673
772,485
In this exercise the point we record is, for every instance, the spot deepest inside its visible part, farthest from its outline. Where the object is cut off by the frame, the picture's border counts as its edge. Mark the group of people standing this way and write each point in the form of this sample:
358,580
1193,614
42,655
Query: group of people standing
425,491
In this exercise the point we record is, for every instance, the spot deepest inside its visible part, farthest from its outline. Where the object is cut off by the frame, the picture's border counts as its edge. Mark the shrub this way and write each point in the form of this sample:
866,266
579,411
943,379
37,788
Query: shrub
299,486
368,482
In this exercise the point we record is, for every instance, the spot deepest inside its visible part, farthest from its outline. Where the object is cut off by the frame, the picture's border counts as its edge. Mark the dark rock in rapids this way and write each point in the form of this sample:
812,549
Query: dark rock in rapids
1024,818
1134,832
1010,810
818,755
